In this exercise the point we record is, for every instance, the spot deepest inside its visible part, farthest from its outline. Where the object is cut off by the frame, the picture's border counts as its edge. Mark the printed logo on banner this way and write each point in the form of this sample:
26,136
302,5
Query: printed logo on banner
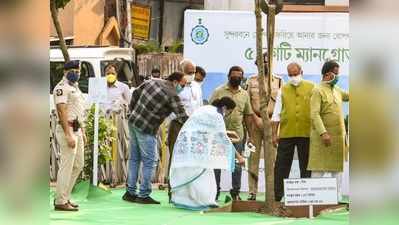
199,34
248,54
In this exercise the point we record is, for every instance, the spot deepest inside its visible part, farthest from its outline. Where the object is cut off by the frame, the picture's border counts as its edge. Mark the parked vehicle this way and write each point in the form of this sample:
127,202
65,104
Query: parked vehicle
93,61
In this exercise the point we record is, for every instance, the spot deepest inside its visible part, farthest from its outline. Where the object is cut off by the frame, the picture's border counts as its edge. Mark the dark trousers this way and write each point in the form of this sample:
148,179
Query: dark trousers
285,155
235,176
174,129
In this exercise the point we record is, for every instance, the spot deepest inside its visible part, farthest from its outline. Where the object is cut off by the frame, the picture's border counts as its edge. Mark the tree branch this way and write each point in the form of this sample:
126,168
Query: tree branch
57,25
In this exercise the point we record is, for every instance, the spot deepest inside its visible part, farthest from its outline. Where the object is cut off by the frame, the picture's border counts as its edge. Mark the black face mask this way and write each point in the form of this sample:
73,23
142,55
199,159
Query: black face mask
235,81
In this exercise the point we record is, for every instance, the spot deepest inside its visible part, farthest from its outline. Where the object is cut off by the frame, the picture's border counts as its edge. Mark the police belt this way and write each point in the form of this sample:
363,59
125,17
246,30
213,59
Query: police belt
74,124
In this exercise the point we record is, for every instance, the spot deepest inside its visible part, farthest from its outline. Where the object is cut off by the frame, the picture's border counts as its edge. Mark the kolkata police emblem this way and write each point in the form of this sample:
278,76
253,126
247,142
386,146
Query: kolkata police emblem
199,34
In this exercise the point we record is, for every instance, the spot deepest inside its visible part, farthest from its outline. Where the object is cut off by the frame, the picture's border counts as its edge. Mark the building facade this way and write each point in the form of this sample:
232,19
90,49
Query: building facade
289,5
109,22
88,22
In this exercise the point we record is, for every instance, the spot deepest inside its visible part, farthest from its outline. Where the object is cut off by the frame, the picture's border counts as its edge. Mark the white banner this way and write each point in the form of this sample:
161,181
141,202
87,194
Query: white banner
217,40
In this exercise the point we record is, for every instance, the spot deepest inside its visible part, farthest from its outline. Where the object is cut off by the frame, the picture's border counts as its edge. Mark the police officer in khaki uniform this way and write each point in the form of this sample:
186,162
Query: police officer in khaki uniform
257,128
69,102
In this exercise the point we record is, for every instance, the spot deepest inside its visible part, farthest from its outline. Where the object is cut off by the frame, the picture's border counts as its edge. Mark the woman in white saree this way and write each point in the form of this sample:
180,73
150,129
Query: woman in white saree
202,145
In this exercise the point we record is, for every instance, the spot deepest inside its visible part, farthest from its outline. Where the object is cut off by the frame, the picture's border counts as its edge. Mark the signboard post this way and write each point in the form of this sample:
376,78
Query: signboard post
310,192
141,21
97,95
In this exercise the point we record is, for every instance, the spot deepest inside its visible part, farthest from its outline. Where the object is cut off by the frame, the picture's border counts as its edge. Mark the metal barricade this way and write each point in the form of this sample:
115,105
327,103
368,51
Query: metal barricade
114,172
54,147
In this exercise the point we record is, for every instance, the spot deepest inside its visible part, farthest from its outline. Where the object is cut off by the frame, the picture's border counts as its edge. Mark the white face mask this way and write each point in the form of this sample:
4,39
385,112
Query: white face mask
189,78
197,82
296,80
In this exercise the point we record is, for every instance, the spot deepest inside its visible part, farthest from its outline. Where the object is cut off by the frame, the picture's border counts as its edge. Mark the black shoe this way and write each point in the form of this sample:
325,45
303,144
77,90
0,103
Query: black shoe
65,207
251,197
128,197
146,200
73,204
235,196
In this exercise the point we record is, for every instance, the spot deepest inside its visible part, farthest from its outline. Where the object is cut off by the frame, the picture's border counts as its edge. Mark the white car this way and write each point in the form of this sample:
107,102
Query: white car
93,60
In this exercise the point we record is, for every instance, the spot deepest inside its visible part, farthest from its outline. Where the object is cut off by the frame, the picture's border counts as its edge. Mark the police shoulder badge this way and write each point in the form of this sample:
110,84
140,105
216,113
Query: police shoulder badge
58,92
199,34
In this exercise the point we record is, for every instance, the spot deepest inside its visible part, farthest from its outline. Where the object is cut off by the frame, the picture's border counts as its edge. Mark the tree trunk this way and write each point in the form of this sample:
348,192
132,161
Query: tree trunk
271,16
129,23
57,25
265,92
162,13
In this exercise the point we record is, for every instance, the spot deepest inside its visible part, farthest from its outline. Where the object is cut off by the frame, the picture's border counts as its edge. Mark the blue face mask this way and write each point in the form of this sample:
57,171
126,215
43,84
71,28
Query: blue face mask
72,76
179,88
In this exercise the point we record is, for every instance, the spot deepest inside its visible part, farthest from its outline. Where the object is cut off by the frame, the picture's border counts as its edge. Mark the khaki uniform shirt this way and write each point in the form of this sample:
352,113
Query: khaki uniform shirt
234,121
70,95
253,91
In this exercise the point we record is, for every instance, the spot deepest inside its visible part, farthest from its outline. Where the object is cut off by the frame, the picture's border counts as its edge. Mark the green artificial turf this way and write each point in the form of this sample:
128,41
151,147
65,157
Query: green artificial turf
106,207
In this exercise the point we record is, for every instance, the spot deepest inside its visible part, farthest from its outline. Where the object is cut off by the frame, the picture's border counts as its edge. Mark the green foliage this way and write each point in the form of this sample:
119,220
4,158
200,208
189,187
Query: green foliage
176,47
105,138
61,3
148,47
153,47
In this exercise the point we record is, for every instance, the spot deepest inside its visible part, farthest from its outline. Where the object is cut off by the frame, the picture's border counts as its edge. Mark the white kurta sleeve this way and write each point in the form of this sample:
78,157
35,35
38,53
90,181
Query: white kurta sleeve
277,108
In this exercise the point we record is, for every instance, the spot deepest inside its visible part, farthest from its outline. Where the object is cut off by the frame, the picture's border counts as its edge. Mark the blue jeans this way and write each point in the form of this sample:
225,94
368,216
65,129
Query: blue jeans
143,149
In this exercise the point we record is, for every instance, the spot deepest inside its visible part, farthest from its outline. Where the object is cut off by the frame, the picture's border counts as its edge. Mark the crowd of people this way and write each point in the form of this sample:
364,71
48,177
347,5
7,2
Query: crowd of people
204,139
